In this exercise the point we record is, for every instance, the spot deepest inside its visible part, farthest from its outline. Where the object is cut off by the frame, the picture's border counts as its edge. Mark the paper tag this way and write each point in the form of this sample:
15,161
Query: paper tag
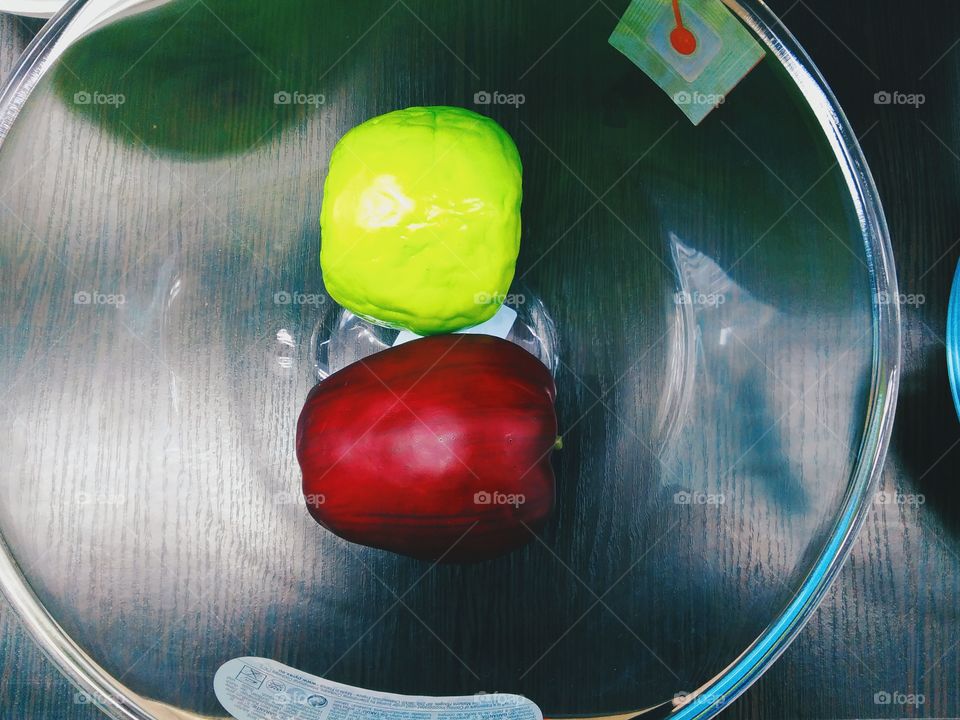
695,50
498,326
251,688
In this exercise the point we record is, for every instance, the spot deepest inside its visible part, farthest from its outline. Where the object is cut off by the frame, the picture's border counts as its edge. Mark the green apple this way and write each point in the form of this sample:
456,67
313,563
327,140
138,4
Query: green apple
420,224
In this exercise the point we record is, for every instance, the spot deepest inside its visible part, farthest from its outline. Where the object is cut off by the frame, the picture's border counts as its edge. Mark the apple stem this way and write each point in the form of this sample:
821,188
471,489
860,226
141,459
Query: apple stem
558,445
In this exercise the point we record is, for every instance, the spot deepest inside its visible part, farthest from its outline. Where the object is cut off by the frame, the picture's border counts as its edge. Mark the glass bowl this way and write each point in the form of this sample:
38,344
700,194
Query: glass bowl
31,8
953,340
711,299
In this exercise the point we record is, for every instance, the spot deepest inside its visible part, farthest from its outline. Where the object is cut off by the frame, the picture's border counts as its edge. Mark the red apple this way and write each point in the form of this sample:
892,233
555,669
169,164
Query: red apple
438,448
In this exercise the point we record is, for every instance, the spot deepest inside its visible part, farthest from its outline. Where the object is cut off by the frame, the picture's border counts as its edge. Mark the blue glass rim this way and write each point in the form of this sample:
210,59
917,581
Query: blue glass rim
953,340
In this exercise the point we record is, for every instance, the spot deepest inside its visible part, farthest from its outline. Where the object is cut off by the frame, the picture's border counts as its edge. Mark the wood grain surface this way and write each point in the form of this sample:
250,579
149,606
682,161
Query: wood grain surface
892,623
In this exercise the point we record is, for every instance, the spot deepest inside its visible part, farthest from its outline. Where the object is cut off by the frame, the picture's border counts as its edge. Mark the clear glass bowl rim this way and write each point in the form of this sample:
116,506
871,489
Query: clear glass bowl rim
117,701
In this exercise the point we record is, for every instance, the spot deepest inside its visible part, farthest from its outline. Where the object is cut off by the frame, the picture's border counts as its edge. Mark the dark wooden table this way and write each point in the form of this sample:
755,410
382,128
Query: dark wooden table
890,628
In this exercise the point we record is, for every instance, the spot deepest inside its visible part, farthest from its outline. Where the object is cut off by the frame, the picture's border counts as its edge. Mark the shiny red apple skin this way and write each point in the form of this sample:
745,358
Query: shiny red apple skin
438,449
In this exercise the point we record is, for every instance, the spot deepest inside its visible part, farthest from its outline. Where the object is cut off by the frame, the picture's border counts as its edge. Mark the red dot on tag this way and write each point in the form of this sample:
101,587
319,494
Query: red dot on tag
683,41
